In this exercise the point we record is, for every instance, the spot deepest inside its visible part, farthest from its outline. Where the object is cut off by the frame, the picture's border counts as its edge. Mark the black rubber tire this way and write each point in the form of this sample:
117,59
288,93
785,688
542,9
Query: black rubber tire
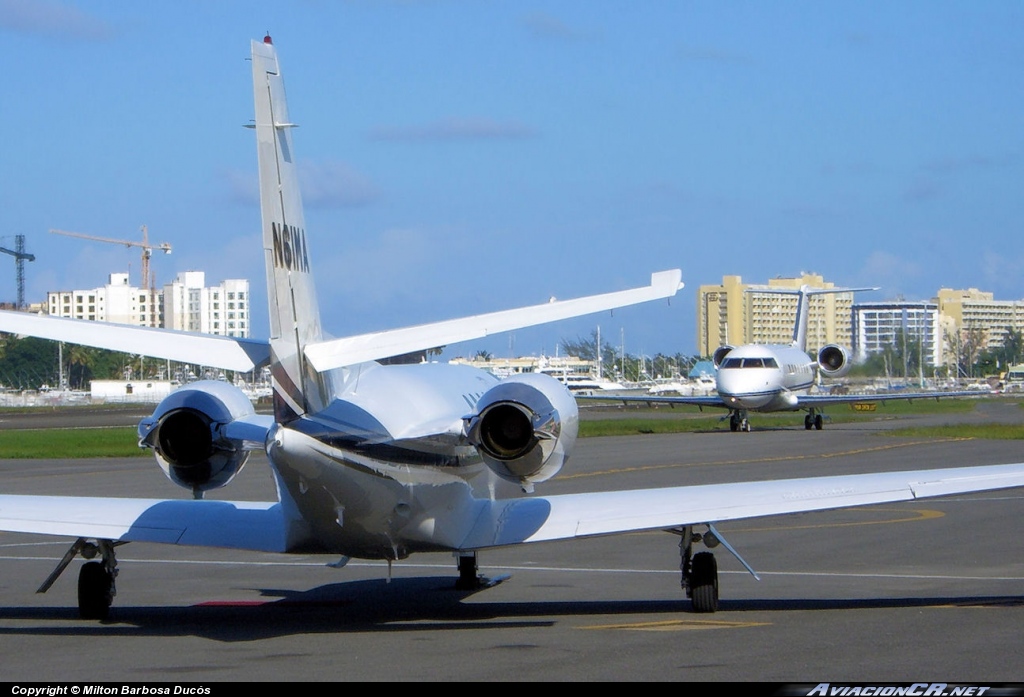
468,579
808,422
704,582
95,591
818,422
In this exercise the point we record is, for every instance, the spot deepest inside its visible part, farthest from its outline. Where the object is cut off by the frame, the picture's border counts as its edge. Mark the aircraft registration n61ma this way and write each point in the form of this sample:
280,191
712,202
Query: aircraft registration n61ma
779,377
381,461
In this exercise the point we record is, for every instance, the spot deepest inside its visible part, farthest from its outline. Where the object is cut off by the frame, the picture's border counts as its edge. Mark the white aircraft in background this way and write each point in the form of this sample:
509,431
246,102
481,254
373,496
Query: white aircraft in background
382,461
778,377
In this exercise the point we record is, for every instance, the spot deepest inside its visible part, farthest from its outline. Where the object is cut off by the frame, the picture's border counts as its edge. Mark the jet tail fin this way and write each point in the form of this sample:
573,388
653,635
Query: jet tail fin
803,294
803,309
291,294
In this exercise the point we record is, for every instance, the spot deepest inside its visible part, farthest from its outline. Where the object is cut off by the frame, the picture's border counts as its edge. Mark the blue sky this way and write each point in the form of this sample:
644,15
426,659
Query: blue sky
468,156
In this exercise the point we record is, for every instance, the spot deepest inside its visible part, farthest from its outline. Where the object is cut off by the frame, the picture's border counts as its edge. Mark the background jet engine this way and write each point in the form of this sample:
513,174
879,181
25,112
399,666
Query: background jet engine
833,361
525,428
187,432
720,353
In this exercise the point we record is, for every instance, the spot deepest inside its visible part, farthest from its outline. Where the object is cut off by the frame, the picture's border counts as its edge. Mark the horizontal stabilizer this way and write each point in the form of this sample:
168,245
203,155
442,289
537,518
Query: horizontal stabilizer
807,290
224,352
338,353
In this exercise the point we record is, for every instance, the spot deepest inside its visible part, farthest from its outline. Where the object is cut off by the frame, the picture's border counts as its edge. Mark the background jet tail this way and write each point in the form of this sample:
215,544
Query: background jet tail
803,309
291,295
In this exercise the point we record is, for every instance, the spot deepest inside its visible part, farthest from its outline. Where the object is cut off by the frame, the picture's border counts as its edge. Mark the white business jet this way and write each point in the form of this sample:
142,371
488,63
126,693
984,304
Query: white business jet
382,461
779,377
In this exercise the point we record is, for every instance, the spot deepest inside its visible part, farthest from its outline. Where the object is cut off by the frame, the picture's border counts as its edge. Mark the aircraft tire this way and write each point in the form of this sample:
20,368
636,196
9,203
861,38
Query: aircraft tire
818,422
704,582
468,578
808,422
95,591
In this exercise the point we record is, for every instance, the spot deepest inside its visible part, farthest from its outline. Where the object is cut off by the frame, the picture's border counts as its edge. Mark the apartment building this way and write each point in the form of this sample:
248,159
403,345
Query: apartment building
735,313
186,304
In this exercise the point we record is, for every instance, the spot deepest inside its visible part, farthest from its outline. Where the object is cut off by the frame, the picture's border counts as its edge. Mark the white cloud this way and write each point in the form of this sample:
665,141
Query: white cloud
334,184
324,184
546,26
892,273
52,19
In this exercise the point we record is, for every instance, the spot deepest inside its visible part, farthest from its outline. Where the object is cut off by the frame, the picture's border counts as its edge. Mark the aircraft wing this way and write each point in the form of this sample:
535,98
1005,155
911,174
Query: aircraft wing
815,400
804,401
232,524
569,516
265,526
338,353
227,353
697,401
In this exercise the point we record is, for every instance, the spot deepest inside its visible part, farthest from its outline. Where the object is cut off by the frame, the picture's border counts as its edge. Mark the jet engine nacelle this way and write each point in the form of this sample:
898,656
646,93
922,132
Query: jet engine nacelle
833,361
720,353
525,427
186,432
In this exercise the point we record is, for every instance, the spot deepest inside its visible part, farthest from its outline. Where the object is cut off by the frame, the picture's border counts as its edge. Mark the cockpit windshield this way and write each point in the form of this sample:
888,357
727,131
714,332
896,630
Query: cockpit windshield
767,362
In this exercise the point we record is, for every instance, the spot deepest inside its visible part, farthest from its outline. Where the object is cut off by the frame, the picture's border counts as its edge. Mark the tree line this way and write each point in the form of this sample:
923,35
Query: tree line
28,363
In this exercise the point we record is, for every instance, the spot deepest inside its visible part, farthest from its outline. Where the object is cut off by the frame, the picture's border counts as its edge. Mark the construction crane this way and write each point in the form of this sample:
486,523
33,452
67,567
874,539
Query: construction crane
20,257
148,281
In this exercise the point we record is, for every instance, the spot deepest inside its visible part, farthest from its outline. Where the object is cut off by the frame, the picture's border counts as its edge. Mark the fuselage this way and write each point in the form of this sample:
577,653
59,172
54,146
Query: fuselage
764,377
385,470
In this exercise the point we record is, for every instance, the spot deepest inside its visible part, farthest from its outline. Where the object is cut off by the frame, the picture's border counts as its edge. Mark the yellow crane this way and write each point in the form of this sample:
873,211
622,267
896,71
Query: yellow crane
148,280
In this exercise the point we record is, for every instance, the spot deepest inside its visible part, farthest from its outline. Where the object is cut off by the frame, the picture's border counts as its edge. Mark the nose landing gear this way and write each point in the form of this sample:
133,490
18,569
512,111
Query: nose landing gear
813,420
738,421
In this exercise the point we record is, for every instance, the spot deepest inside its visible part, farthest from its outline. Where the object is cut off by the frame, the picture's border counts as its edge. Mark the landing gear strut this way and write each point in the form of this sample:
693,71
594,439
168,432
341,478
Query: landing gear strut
700,571
96,589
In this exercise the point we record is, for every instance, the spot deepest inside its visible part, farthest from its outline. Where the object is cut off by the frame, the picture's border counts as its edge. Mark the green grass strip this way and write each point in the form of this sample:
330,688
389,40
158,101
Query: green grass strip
68,443
122,442
981,431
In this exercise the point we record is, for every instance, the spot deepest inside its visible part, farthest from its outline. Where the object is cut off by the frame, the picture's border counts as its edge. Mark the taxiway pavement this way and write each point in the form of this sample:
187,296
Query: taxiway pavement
925,591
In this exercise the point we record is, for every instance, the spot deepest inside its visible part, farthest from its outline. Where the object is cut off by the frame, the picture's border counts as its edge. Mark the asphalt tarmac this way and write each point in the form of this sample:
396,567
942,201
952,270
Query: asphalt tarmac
924,591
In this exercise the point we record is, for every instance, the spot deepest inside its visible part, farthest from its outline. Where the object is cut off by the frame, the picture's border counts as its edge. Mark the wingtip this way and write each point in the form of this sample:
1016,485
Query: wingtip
671,280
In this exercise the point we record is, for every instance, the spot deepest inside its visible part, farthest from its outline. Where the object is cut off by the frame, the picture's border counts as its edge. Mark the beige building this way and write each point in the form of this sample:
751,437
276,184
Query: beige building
736,313
974,310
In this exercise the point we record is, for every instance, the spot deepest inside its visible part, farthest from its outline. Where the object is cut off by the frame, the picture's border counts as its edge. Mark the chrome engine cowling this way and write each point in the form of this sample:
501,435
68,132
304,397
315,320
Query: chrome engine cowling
525,427
720,353
833,361
186,432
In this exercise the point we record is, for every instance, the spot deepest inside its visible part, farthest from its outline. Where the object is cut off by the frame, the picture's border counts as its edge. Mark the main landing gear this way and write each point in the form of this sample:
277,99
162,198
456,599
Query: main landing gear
96,589
468,579
738,421
700,570
813,420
